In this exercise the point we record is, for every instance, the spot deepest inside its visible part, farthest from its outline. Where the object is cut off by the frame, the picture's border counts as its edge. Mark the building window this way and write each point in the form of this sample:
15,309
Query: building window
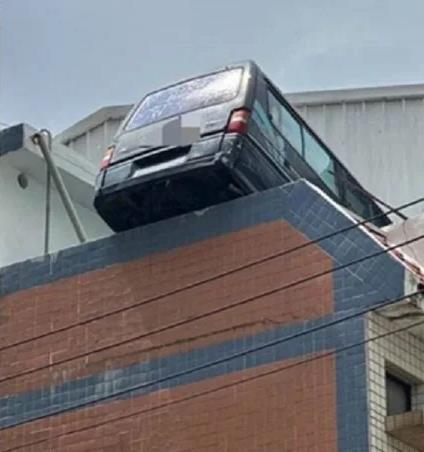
398,395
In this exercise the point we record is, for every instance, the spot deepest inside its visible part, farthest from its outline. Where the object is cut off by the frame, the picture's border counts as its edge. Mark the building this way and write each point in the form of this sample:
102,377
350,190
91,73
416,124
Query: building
153,339
232,329
24,232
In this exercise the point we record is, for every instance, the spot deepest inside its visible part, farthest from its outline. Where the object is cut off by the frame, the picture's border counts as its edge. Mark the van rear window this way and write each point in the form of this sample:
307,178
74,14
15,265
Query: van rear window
186,96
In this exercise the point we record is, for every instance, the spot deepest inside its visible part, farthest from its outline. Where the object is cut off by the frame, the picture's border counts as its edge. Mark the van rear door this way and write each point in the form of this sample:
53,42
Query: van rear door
197,106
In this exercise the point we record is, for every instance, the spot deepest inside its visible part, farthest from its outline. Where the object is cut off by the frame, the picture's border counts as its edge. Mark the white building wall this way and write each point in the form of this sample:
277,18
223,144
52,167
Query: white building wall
403,350
23,219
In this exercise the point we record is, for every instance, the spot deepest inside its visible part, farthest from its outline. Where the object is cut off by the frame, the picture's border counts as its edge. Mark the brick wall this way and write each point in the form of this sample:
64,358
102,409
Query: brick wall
129,381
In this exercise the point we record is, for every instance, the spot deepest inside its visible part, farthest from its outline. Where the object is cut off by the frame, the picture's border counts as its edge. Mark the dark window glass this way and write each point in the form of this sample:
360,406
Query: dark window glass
321,162
398,395
285,122
274,141
355,199
261,118
187,96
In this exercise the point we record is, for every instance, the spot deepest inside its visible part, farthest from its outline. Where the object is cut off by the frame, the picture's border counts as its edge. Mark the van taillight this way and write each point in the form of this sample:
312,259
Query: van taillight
238,121
107,157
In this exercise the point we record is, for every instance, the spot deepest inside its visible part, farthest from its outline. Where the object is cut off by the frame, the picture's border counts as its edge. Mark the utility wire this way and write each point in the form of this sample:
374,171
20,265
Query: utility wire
217,277
380,304
249,350
215,311
203,393
244,352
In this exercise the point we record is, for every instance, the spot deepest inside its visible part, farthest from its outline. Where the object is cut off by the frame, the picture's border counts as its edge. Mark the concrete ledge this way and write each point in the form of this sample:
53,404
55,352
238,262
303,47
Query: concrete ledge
408,428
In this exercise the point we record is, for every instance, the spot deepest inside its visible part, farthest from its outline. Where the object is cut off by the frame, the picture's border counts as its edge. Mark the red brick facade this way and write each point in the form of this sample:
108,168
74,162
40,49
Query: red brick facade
289,410
292,410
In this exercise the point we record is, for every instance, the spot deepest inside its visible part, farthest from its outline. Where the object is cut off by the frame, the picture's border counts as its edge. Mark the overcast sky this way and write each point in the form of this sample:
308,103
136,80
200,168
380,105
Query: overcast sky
62,59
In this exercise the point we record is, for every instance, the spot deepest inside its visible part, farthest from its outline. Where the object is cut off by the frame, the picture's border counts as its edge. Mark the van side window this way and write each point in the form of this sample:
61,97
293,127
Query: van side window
354,197
321,161
274,143
285,122
261,118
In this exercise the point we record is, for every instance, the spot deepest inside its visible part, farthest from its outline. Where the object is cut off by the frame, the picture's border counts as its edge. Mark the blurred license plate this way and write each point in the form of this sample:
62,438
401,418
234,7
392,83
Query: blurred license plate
159,167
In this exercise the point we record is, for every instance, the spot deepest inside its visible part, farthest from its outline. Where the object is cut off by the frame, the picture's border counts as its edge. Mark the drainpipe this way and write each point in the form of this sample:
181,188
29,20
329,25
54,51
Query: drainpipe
39,139
48,196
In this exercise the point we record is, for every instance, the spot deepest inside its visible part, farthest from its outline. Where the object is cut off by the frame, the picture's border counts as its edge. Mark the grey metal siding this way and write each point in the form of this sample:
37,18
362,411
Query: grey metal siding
381,141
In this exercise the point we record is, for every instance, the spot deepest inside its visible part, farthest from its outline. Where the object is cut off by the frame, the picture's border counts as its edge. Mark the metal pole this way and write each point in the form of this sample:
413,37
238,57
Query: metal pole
38,138
48,196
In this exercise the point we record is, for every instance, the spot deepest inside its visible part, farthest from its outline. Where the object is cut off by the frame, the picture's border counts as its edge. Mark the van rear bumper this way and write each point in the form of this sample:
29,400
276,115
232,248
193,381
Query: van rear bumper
149,167
126,177
187,187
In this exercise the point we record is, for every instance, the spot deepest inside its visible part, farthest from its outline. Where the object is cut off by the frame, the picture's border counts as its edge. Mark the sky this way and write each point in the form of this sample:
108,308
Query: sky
61,60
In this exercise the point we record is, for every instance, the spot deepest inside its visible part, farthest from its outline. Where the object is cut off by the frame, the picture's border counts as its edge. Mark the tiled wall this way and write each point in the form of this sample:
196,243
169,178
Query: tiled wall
404,351
316,405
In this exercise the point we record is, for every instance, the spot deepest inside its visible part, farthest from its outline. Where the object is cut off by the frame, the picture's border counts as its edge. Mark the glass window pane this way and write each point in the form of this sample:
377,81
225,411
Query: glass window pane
274,142
318,158
354,198
291,129
285,122
187,96
261,118
274,111
398,395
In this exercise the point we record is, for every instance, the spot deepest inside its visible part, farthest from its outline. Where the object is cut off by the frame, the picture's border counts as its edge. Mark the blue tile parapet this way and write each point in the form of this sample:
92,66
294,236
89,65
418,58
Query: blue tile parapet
297,203
303,207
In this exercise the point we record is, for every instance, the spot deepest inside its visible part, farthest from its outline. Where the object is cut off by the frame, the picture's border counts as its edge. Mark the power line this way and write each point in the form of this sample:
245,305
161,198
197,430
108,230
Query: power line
380,304
238,354
215,311
213,390
217,276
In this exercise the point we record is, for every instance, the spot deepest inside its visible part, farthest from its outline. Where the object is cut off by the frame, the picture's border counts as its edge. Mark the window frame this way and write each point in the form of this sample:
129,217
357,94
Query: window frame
338,186
348,185
339,167
133,112
270,89
402,383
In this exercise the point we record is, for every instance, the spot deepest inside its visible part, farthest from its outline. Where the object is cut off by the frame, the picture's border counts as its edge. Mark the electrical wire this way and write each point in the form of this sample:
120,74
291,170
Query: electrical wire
380,304
208,392
258,348
215,311
211,279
